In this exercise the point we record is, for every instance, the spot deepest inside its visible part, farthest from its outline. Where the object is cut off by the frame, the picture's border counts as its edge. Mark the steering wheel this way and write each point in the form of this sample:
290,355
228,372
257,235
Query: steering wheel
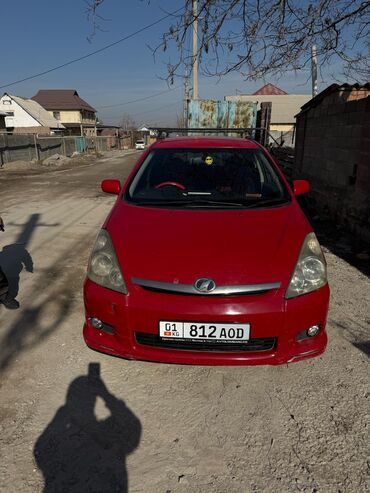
171,184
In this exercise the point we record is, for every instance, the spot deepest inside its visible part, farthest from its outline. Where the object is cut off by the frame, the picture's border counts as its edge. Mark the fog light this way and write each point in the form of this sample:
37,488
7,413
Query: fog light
312,331
96,323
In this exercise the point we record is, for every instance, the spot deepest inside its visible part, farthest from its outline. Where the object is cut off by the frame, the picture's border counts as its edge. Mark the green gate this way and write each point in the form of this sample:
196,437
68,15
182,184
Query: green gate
81,144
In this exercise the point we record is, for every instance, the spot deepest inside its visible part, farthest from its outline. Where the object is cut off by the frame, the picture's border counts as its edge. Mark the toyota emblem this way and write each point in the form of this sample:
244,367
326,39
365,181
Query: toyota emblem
205,285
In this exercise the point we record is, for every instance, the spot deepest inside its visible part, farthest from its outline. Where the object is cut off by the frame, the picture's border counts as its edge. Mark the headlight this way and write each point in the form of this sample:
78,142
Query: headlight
310,271
103,265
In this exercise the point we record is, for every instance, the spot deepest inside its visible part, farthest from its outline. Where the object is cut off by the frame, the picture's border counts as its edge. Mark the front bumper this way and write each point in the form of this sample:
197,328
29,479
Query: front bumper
269,314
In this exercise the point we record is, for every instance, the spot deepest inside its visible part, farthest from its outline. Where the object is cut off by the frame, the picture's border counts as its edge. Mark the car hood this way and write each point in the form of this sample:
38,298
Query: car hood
229,246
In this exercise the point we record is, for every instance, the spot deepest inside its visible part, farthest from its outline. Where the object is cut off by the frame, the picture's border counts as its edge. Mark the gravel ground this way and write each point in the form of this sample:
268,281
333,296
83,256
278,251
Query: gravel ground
145,427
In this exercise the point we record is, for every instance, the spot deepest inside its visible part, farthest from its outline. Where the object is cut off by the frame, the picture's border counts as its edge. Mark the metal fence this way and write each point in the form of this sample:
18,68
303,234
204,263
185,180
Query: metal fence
28,147
207,113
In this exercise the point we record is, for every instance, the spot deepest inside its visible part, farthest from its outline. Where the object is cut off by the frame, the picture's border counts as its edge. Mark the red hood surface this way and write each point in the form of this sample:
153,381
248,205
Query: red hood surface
229,246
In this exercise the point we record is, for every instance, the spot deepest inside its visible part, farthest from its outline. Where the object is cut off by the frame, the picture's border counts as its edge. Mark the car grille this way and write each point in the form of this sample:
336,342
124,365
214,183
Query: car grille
263,344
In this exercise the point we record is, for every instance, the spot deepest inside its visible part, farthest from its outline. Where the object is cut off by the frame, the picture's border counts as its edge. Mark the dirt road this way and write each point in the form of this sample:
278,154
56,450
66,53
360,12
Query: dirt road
159,428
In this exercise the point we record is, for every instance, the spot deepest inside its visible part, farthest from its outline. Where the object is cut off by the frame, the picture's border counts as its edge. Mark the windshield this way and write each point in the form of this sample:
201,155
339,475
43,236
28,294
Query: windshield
207,178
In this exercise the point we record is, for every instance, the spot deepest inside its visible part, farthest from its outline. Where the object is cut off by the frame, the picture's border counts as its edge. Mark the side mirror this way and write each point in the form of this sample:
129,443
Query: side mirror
111,186
301,187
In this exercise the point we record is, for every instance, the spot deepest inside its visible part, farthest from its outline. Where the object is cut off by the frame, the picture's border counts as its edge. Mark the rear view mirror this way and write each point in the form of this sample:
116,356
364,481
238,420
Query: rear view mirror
301,187
111,186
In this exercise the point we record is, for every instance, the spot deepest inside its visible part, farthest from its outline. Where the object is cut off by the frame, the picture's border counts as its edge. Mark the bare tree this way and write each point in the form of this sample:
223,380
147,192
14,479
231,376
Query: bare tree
94,17
258,38
128,122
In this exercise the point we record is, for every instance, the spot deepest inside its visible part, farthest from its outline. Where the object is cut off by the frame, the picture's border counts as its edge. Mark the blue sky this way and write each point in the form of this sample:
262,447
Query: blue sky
40,34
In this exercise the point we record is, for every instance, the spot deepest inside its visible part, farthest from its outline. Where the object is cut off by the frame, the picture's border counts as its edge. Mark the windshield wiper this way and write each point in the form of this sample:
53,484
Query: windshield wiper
191,203
212,203
261,203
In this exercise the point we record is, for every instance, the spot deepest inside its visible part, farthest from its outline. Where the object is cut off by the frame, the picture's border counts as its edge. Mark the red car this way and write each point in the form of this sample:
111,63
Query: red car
206,258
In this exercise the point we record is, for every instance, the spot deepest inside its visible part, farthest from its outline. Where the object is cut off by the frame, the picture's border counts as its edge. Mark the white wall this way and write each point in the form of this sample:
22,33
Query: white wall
284,107
21,117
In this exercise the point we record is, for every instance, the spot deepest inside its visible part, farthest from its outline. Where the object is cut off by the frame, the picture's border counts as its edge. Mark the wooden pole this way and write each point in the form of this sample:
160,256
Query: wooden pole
36,148
314,70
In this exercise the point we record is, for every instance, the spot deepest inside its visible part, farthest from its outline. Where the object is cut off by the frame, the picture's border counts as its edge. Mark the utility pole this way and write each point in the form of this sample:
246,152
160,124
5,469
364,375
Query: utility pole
314,70
195,49
186,98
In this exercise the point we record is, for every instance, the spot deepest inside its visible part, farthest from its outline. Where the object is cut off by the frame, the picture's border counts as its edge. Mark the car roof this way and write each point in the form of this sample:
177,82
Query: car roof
204,141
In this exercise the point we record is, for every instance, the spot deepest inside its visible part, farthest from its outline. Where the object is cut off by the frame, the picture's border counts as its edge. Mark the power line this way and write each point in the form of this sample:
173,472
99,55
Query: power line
135,115
140,99
148,26
176,103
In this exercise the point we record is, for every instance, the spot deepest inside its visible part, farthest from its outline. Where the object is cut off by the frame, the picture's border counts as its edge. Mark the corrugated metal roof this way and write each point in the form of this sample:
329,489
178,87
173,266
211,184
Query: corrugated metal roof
284,107
334,88
37,112
269,90
61,99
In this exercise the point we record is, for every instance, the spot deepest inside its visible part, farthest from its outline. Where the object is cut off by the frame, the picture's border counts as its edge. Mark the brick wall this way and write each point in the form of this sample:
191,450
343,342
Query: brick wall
333,153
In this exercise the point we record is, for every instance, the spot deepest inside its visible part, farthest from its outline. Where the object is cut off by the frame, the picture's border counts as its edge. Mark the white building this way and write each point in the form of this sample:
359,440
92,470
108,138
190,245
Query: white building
27,116
283,109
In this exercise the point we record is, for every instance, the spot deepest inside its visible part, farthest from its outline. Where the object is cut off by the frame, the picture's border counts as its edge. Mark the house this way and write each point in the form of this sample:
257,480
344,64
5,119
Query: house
73,112
148,135
27,116
333,152
106,130
283,110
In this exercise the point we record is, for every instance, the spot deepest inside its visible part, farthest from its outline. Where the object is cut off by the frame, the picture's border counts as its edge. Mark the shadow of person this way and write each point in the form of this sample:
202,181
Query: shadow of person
13,259
79,453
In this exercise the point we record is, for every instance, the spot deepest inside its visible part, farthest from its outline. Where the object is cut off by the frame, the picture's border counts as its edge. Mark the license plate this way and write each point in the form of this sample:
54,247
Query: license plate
201,331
